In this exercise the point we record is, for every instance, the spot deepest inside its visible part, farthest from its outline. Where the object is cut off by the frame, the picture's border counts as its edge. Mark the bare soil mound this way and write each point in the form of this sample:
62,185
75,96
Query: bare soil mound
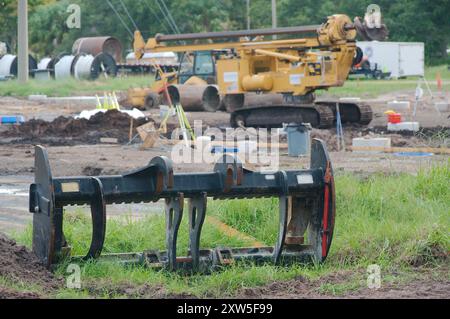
67,131
10,294
19,265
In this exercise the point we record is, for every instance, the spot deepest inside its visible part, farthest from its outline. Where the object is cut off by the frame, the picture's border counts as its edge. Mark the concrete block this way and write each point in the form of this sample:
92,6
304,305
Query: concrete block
42,75
37,97
400,105
107,140
350,100
443,106
404,126
373,142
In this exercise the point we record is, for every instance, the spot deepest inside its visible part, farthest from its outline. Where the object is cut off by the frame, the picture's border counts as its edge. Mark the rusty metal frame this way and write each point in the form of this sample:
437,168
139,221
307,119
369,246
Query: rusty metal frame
307,206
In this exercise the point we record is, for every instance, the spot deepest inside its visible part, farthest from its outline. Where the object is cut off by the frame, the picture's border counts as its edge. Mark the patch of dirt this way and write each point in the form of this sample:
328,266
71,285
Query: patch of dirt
92,171
427,137
19,265
427,287
145,291
67,131
298,288
420,289
10,294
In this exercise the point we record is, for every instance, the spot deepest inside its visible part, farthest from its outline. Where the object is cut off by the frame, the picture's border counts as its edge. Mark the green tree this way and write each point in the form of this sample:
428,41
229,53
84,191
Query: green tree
408,20
8,19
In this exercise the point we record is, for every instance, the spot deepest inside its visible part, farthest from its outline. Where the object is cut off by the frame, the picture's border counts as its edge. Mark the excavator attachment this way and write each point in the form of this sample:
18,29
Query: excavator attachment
372,27
307,210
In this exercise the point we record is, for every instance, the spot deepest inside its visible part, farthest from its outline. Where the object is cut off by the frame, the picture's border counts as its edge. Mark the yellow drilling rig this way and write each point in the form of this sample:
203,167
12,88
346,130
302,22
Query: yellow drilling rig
225,68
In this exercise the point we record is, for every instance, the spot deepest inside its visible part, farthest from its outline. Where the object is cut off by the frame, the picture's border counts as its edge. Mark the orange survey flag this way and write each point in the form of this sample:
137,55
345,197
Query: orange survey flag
439,81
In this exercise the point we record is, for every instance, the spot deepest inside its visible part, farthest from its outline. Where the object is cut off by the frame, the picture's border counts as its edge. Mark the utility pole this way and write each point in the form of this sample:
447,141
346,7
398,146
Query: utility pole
249,21
22,11
274,16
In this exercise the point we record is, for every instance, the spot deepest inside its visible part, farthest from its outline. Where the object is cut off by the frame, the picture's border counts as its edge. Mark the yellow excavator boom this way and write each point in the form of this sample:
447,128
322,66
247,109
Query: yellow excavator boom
295,66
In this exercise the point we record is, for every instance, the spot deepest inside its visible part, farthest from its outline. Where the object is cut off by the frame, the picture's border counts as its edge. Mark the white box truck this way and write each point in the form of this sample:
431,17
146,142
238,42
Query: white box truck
401,59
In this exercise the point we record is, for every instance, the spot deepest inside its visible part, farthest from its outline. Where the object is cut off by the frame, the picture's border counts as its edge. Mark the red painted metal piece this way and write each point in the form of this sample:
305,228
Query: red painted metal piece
395,118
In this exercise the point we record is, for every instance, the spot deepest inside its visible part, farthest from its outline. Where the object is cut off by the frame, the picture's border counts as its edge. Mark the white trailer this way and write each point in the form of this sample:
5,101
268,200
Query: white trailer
401,59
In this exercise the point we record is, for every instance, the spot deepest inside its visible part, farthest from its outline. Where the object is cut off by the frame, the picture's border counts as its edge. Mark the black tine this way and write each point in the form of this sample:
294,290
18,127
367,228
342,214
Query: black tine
174,216
197,216
284,211
98,212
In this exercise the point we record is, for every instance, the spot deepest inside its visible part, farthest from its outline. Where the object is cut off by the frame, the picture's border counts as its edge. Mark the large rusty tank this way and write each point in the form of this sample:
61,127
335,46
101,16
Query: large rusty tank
97,45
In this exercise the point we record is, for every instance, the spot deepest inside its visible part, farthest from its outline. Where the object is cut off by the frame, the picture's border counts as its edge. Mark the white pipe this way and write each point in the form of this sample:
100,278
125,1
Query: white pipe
63,67
5,64
43,64
82,69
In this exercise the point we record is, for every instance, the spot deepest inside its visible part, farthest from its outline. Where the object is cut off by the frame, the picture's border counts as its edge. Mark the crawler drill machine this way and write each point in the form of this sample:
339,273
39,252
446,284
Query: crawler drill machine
284,72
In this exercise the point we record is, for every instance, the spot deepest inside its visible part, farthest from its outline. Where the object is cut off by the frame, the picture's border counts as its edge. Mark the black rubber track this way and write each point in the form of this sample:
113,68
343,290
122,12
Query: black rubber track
318,116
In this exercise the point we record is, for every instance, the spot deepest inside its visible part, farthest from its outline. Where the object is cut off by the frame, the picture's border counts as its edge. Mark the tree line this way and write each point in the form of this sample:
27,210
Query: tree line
408,20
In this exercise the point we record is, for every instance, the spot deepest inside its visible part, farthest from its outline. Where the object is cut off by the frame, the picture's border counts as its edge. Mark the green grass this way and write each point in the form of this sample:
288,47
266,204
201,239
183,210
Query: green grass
72,87
371,89
442,70
398,222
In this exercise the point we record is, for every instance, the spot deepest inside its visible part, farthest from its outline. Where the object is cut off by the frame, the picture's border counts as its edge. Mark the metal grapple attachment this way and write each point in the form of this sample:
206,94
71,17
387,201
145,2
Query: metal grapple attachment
307,209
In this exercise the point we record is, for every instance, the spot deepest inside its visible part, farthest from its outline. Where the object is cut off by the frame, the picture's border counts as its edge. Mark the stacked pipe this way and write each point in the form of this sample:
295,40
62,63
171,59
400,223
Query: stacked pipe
81,66
8,65
196,98
96,45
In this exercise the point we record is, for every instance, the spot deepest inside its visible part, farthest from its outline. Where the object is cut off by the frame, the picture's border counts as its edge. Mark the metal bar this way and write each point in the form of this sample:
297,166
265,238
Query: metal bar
120,189
23,41
237,34
275,45
274,16
280,56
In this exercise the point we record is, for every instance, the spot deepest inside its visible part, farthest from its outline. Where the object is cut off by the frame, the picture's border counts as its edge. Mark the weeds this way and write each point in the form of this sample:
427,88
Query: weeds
397,222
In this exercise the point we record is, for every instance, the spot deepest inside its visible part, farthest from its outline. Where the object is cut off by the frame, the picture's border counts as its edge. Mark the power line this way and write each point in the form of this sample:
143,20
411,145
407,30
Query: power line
129,15
164,13
155,15
170,16
120,18
165,17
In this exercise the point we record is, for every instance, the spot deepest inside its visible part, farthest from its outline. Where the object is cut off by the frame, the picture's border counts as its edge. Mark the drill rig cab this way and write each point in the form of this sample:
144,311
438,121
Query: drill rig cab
200,65
194,82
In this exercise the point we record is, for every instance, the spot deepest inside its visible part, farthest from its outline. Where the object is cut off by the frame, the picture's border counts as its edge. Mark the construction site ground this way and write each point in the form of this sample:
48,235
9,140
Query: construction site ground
75,149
